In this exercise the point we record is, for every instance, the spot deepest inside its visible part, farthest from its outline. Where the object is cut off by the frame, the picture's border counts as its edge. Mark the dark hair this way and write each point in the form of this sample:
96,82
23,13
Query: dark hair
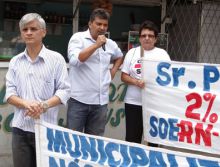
100,13
149,25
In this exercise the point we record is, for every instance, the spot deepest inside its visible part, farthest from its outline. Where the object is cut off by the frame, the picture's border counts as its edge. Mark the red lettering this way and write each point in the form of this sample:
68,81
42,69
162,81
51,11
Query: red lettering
186,131
198,102
205,134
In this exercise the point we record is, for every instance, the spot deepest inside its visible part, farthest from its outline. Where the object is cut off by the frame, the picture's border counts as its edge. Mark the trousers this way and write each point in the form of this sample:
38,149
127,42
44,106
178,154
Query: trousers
23,148
87,118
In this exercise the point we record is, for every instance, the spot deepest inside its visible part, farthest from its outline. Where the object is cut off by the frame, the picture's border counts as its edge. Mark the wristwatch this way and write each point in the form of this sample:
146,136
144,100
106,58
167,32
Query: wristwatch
44,105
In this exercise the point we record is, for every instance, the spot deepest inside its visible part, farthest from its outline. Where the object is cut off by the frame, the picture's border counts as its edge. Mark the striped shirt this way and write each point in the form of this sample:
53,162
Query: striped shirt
37,80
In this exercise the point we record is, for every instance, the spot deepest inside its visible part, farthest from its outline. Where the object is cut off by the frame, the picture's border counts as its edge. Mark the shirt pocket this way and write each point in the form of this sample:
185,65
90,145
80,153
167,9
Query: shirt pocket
46,89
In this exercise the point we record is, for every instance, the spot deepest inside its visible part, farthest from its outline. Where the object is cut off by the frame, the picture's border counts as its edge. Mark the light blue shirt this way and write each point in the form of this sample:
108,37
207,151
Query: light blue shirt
39,80
90,79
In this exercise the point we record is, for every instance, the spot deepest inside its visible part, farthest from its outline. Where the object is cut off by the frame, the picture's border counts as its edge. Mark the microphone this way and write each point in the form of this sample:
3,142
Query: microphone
103,46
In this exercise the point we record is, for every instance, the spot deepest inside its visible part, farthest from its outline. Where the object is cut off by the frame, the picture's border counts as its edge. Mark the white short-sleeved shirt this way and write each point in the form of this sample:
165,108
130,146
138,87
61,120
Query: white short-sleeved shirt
132,66
90,79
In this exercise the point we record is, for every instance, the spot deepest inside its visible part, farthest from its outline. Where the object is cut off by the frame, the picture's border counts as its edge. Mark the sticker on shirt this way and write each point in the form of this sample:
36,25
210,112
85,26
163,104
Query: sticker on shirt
136,68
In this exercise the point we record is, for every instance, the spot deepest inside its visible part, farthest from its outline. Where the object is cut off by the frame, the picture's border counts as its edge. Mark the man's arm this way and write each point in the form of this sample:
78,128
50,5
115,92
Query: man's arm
17,102
41,108
117,63
31,108
87,52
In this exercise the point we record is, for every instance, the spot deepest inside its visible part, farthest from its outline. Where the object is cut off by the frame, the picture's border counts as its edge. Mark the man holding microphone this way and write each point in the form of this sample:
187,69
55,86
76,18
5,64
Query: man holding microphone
90,53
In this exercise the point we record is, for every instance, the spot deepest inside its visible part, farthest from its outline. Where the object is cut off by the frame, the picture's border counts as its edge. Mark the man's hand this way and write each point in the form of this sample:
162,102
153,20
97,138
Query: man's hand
113,72
33,109
101,40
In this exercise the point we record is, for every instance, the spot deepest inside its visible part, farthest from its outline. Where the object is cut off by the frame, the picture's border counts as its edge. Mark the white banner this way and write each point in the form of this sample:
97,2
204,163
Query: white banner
181,104
60,147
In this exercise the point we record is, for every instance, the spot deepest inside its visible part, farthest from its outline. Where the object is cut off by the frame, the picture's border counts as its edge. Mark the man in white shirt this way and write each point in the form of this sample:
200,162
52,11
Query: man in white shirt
90,54
36,83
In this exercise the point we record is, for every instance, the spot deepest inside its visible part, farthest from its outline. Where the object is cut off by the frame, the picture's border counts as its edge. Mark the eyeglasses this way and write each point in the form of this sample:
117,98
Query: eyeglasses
150,36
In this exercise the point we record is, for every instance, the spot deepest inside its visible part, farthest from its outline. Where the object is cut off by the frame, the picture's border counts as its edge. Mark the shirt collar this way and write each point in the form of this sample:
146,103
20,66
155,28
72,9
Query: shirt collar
41,55
88,35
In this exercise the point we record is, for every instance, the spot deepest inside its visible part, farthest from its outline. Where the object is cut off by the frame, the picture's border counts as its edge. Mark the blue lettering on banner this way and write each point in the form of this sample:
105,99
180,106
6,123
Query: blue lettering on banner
53,163
204,163
138,156
173,129
172,160
88,148
164,128
156,159
56,142
124,152
102,152
176,73
110,148
110,153
165,76
153,123
76,152
62,163
208,77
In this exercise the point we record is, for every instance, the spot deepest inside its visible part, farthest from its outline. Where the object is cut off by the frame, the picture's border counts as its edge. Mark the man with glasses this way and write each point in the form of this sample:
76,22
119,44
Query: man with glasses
36,83
131,74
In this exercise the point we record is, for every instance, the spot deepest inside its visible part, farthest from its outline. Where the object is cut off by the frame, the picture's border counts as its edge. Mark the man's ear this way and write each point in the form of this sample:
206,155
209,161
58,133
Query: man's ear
45,32
89,24
156,39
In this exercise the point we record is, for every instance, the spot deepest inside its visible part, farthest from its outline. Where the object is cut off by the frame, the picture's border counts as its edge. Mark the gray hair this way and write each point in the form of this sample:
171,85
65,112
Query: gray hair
31,17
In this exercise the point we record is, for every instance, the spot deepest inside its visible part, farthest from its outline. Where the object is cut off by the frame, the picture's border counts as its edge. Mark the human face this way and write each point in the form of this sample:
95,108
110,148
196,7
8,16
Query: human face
32,33
98,27
147,39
